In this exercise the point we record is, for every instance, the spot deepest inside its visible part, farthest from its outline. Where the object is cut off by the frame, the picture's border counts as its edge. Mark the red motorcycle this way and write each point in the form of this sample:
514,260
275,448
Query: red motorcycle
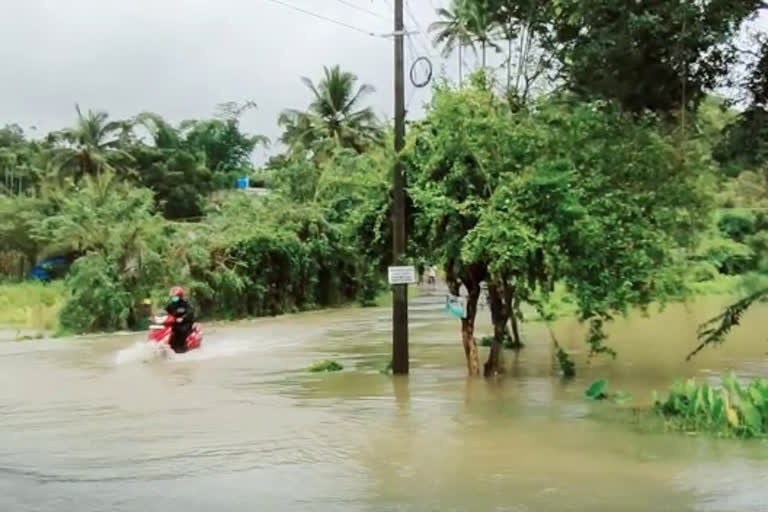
162,326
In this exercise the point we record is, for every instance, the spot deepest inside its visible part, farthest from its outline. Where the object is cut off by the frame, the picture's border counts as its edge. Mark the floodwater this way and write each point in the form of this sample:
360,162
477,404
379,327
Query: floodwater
99,424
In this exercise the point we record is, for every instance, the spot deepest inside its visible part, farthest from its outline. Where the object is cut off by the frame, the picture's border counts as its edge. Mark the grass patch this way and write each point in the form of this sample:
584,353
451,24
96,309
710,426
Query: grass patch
31,305
328,365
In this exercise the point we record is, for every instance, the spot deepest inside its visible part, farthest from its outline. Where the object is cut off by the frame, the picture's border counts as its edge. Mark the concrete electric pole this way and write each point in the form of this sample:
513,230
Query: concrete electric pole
399,291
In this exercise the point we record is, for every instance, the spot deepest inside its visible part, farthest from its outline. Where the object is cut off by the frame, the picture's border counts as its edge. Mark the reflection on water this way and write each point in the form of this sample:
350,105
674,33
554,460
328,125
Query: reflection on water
102,424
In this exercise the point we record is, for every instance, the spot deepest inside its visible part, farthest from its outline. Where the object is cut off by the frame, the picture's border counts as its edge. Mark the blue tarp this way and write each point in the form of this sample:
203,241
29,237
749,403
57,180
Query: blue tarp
50,268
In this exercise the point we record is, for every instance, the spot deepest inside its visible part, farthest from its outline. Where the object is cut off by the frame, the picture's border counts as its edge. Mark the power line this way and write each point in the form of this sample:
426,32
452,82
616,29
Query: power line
363,9
418,27
320,16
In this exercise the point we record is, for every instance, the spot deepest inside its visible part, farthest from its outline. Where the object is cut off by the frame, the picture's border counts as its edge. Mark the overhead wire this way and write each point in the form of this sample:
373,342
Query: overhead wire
325,18
365,10
421,36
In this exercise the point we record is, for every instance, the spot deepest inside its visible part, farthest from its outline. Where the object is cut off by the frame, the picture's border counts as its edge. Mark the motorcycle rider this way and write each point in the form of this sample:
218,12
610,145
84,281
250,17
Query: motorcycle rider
182,310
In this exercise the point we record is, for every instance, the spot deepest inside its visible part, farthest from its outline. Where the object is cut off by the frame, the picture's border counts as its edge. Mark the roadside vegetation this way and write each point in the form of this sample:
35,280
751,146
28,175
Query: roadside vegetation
568,180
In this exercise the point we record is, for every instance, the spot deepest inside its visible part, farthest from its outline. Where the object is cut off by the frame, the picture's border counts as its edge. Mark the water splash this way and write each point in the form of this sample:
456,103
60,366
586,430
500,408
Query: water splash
144,352
219,348
140,352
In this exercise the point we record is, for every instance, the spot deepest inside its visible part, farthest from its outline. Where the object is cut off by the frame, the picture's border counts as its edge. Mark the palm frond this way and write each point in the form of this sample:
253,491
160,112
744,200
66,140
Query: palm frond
311,86
362,91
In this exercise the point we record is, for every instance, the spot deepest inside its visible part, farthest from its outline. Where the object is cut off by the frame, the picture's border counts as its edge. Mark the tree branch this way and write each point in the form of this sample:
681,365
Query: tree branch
714,330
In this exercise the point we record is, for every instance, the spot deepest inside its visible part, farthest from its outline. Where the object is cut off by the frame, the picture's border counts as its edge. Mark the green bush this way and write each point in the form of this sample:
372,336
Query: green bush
737,225
728,256
269,258
702,271
104,295
97,301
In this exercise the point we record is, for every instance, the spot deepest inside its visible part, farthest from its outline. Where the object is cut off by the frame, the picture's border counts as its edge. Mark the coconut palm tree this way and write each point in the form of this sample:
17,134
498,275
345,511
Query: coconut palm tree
334,113
480,24
163,134
452,32
91,146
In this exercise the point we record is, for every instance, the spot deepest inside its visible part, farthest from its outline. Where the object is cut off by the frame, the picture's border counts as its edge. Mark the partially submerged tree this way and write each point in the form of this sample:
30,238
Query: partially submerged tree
571,193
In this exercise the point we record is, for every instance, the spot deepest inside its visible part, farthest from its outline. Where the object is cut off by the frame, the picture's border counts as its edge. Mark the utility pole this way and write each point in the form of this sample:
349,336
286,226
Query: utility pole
399,291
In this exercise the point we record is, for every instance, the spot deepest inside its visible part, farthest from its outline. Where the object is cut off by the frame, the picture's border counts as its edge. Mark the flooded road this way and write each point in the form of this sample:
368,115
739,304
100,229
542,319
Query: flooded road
97,424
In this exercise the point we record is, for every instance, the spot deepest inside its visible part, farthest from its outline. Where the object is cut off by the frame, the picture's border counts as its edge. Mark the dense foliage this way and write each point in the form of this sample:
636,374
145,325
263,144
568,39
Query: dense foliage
600,161
566,192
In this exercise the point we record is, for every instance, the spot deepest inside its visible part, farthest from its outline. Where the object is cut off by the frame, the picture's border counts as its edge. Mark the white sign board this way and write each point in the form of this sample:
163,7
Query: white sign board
402,275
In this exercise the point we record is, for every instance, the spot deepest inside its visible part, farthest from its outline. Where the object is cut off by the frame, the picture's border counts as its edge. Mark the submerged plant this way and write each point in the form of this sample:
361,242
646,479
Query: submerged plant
730,410
567,366
596,391
329,365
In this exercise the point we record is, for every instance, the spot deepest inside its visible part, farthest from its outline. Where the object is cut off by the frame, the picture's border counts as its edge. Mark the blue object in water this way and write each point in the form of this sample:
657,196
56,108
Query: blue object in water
242,182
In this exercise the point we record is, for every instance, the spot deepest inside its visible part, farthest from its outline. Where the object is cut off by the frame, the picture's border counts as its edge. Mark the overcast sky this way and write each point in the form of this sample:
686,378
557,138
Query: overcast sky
180,58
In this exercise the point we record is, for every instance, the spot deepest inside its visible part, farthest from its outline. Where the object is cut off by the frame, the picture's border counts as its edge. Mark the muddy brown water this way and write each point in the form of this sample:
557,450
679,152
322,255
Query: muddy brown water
99,424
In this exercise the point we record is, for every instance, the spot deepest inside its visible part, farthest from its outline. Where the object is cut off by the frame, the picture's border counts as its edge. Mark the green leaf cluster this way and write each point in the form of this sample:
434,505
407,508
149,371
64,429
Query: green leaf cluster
732,410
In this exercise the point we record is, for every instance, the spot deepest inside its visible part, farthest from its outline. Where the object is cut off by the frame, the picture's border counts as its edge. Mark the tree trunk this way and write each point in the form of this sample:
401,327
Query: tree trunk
468,330
521,57
460,67
30,259
500,313
483,55
509,64
517,343
471,277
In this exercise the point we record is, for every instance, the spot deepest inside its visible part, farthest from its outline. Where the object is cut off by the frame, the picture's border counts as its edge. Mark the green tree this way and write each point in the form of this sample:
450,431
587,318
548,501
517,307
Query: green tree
175,173
93,145
11,135
114,225
226,147
521,22
481,25
655,55
452,32
745,140
335,113
567,194
183,165
19,216
22,161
